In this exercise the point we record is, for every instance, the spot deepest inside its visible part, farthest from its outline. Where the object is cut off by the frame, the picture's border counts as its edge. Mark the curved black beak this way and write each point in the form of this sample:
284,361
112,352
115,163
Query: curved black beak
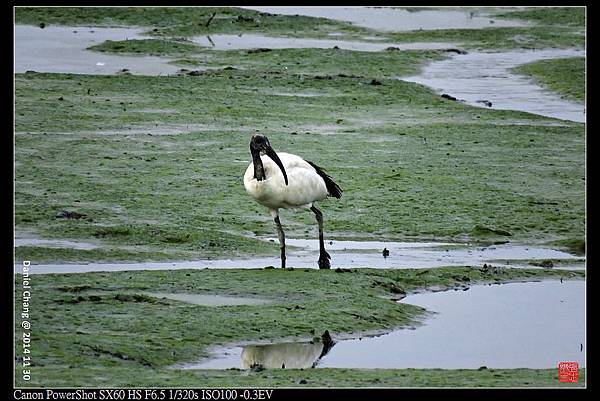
271,153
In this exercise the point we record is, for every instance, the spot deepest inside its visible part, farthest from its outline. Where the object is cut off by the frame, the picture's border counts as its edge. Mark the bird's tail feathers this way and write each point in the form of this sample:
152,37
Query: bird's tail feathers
333,189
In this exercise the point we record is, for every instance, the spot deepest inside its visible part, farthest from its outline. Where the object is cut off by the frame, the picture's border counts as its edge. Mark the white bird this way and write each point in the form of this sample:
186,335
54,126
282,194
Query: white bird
288,181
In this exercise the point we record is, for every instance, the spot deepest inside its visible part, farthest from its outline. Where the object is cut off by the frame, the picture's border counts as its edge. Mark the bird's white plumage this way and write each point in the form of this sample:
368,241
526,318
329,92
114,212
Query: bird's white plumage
305,185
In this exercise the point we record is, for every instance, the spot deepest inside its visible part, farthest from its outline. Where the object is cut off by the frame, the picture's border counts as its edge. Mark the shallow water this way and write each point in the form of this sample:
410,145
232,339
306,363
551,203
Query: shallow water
251,41
516,325
474,77
346,254
62,49
399,19
54,243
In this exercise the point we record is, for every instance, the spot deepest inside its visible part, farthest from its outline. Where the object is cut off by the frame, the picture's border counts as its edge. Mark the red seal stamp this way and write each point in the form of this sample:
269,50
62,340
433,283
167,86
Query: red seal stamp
568,372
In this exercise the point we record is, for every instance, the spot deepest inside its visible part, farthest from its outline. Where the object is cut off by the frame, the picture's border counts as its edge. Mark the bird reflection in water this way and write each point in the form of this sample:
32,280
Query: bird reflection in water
287,355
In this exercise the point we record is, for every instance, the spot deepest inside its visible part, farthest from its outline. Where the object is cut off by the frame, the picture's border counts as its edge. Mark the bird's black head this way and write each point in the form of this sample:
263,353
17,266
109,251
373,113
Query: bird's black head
259,144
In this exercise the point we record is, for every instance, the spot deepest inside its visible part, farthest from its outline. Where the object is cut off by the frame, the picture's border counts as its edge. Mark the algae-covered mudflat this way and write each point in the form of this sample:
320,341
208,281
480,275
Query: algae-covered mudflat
98,329
116,164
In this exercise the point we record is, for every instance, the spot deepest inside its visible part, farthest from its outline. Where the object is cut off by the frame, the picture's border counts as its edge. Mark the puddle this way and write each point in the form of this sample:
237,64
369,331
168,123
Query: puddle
474,77
299,355
63,50
516,325
348,254
400,19
209,299
252,41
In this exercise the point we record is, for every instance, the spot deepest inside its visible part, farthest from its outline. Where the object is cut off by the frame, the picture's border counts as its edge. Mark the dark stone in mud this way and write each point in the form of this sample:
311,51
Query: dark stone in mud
336,48
340,270
134,298
94,298
485,102
259,50
195,73
375,82
385,252
482,368
65,214
229,68
269,267
241,18
322,77
446,96
42,25
303,381
457,51
392,49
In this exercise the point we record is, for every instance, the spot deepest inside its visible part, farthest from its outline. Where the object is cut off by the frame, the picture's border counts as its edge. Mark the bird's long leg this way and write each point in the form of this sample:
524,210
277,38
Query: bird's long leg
323,255
280,235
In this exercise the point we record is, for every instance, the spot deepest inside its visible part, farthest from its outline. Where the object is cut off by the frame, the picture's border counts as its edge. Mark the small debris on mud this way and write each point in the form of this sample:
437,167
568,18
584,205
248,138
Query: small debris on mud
241,18
457,51
340,270
259,50
446,96
392,49
65,214
195,73
485,102
547,264
489,269
385,252
375,82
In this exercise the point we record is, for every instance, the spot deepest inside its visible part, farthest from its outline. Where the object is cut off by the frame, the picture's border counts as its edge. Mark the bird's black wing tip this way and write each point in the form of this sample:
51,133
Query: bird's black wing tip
333,189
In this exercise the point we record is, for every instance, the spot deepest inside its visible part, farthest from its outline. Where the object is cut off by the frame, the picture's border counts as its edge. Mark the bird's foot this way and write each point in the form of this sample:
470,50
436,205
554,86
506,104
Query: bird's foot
324,260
